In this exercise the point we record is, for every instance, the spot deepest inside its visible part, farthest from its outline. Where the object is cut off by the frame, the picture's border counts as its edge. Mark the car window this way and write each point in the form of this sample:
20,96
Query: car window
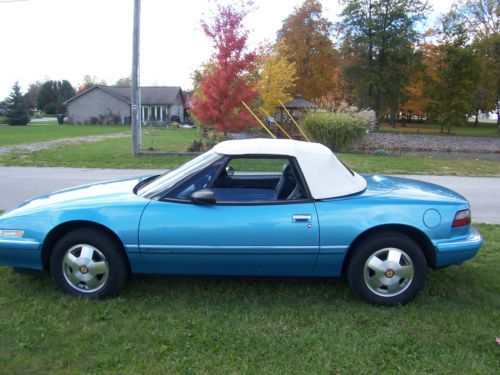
199,181
169,179
257,165
257,179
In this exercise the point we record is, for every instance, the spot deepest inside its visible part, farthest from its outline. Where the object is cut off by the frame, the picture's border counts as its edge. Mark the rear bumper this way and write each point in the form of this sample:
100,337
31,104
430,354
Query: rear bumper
20,253
457,250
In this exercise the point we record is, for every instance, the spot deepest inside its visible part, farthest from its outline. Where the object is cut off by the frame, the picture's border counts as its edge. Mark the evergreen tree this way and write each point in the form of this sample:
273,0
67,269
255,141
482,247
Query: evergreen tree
17,109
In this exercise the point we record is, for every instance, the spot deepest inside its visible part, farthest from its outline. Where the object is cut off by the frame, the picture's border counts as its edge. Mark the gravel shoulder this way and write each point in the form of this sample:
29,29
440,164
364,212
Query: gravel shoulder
37,146
420,142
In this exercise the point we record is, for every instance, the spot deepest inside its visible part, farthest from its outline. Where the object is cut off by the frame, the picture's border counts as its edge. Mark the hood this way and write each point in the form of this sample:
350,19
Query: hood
97,194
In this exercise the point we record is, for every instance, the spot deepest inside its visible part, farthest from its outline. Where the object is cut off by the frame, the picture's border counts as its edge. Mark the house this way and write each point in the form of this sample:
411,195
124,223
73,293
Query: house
112,104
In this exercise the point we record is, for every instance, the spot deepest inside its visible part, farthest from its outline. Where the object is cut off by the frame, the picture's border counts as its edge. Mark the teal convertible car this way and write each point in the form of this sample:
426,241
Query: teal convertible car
257,207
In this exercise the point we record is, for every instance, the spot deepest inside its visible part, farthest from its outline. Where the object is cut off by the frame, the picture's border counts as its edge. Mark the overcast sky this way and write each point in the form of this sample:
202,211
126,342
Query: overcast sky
66,39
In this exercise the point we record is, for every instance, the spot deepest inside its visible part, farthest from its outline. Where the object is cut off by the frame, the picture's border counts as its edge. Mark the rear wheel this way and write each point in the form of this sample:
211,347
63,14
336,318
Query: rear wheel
387,268
87,262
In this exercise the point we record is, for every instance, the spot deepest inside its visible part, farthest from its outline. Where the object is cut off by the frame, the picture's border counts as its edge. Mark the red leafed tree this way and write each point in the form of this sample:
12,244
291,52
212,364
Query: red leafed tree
226,81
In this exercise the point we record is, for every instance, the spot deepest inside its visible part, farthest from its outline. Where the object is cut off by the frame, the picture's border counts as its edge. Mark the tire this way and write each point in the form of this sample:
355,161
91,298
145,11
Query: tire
387,268
89,263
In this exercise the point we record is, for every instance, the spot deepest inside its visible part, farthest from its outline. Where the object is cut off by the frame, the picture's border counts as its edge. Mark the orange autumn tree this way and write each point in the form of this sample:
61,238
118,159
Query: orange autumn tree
228,81
306,36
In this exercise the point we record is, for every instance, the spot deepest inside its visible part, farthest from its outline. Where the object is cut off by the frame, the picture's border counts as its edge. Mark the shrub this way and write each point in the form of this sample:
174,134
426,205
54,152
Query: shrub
338,131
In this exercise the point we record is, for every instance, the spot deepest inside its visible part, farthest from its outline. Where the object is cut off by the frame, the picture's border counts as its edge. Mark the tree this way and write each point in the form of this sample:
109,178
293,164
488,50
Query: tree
124,81
452,89
379,38
228,81
31,94
276,79
489,57
305,35
17,112
52,94
89,82
482,18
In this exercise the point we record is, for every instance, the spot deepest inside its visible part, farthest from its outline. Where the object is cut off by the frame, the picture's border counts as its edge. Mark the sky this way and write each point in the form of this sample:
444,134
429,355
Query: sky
67,39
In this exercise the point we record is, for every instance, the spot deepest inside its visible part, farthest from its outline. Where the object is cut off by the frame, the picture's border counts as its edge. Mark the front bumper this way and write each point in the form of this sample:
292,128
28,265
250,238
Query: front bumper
458,250
21,253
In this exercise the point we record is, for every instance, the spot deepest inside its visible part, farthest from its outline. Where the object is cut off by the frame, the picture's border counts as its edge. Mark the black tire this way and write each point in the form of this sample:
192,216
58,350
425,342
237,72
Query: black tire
375,274
87,262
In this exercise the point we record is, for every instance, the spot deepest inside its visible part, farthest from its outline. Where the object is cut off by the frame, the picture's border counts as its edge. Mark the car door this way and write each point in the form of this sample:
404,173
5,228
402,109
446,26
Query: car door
247,232
260,239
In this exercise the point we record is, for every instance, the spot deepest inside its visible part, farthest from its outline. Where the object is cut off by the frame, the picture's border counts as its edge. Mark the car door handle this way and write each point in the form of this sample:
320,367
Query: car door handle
301,218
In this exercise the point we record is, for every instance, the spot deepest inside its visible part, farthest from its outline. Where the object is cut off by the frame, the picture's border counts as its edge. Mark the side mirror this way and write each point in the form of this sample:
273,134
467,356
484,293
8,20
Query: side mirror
205,196
229,171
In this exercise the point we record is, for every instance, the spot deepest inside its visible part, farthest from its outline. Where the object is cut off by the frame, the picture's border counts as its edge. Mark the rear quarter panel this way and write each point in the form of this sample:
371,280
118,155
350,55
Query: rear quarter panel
342,220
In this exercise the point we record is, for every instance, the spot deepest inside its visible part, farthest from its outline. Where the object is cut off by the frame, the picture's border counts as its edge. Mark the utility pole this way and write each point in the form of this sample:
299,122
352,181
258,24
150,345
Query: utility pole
136,90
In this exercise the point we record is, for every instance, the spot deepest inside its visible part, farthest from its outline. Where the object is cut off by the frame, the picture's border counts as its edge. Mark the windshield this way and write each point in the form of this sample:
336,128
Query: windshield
169,179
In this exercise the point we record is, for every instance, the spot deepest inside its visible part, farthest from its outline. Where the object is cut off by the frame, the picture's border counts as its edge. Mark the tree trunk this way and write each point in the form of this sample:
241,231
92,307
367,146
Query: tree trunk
476,120
498,116
394,115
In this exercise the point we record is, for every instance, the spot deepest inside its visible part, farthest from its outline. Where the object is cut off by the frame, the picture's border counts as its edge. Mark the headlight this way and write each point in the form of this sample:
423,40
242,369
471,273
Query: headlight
11,233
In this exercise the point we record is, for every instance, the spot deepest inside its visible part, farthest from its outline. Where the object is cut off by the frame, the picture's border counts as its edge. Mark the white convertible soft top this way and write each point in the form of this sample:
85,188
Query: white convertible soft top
326,176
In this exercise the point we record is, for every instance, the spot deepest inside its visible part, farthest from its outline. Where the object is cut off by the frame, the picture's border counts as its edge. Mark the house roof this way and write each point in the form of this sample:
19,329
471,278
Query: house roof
149,94
325,175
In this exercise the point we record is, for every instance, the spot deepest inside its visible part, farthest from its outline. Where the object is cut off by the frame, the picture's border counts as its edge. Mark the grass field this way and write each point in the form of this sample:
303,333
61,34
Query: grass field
116,153
255,326
10,135
482,130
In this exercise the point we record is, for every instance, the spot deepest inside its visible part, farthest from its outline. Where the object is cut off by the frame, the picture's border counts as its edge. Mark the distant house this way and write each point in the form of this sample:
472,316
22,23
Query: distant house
112,104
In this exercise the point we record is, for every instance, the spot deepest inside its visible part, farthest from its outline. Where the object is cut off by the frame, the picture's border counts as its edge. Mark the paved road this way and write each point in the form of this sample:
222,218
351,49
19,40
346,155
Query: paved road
20,183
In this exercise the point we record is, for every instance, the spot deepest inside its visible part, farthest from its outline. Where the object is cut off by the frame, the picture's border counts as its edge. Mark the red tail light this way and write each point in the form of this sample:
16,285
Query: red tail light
461,218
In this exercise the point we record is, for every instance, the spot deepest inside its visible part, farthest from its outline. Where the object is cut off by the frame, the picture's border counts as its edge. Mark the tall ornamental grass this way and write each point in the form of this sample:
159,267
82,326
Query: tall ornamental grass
338,131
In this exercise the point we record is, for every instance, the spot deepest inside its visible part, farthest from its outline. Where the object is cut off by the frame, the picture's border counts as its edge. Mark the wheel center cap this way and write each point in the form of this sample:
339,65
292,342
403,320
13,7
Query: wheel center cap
389,273
84,269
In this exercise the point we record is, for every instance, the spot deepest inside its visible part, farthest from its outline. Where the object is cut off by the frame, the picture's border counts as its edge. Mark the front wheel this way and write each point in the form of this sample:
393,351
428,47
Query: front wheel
387,268
89,263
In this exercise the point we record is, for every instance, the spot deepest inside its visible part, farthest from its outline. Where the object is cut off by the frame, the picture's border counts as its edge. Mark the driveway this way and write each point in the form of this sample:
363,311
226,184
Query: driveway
20,183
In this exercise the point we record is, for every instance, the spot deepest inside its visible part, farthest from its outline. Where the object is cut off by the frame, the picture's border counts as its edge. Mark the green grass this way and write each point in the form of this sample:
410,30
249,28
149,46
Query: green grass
420,165
255,326
116,153
482,130
11,135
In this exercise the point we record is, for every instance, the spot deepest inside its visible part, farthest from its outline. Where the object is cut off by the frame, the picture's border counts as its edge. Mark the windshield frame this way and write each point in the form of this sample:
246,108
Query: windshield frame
159,187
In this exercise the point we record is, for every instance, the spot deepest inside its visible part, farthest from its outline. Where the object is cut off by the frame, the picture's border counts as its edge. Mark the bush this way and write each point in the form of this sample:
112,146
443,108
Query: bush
338,131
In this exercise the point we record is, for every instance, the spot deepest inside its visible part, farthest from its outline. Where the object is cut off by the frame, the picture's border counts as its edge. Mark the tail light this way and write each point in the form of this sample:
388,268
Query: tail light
461,218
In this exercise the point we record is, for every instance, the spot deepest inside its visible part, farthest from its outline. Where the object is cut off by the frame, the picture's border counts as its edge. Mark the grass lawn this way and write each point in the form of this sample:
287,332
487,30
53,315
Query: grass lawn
116,153
10,135
483,129
255,326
